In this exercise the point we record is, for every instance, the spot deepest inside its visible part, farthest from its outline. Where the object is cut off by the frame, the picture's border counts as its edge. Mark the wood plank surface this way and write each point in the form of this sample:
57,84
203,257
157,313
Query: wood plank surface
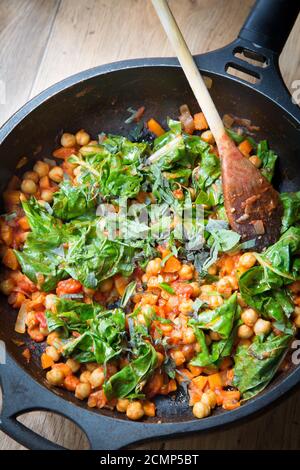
44,41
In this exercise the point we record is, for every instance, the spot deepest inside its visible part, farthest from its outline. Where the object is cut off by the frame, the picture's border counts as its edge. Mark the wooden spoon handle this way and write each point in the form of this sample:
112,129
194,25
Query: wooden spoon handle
189,67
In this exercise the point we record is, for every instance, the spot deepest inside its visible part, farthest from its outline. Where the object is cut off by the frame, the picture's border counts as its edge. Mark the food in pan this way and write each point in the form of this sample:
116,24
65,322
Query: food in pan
118,256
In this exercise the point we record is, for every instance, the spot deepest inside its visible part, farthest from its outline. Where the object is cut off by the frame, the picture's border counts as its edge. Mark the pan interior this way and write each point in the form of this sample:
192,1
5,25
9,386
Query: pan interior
99,104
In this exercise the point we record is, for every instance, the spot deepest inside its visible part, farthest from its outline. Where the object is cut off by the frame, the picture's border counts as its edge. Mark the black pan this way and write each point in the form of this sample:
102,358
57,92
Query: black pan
97,100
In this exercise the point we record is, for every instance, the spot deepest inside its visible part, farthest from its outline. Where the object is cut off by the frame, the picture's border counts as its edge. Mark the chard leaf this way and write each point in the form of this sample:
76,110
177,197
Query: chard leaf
256,365
291,209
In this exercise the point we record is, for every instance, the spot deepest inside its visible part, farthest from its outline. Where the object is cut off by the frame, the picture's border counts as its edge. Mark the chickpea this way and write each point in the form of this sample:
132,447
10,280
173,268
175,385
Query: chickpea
249,317
47,195
262,327
212,270
85,377
82,390
209,398
208,137
7,286
55,377
106,285
122,405
186,272
74,365
50,302
53,352
186,306
201,410
31,320
245,332
135,410
247,260
214,336
178,357
196,288
52,337
56,174
41,168
224,287
28,186
215,301
154,266
31,175
68,140
256,161
189,336
82,138
97,377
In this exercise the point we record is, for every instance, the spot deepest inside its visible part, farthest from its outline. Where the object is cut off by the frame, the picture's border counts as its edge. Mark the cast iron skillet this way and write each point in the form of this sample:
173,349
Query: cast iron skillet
97,100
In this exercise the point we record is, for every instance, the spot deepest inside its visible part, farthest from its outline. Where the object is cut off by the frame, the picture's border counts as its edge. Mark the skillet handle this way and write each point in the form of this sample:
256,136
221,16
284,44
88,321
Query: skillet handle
269,23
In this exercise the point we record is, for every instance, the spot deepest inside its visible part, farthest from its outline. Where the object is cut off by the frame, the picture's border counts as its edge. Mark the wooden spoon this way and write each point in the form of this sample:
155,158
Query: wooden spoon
252,205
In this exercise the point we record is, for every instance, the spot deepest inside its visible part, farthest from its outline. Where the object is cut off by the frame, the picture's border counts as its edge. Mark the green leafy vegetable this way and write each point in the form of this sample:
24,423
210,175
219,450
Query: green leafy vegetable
126,382
257,364
73,201
268,158
223,321
291,209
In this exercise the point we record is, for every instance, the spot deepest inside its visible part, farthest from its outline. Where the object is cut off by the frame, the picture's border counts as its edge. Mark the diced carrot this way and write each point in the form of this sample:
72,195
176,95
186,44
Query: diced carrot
195,395
121,283
229,405
215,381
219,396
46,361
172,265
172,386
149,408
23,223
64,152
231,395
154,384
245,147
155,127
200,382
195,370
200,122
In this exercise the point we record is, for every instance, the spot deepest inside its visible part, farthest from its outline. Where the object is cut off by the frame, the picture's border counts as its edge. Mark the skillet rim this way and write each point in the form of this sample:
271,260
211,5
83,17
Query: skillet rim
142,430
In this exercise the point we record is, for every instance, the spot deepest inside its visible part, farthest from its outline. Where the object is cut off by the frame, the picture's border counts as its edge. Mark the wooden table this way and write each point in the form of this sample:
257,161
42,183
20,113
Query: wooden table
44,41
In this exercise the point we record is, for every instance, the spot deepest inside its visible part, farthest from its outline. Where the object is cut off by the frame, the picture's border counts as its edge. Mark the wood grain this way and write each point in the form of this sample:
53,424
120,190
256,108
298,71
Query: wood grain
25,26
44,41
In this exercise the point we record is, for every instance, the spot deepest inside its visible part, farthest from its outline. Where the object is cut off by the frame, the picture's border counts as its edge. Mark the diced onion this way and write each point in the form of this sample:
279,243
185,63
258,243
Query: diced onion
20,325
